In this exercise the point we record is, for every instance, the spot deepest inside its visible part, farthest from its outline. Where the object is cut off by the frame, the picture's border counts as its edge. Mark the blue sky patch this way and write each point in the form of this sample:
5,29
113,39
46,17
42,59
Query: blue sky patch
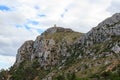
42,15
27,27
28,23
18,26
4,8
32,22
37,7
40,30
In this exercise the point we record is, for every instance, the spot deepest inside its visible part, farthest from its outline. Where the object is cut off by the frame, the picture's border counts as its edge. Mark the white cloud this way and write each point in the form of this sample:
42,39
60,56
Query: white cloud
81,15
6,61
11,38
114,7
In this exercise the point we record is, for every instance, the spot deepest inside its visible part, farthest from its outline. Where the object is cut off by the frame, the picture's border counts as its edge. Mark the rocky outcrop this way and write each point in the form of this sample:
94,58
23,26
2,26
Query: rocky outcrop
48,48
116,49
24,52
99,47
103,32
61,50
111,21
107,32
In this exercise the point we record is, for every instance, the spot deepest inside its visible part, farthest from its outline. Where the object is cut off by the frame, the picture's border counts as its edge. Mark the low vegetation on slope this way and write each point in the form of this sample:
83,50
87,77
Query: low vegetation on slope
62,54
70,37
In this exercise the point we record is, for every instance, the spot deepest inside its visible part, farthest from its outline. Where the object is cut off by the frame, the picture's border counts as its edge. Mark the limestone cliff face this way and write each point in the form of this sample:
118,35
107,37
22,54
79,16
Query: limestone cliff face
49,48
103,32
24,52
107,32
62,50
101,45
56,44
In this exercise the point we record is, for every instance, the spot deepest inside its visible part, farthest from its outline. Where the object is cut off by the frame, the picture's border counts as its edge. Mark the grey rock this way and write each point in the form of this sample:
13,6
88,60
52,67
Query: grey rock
116,49
50,53
45,50
24,52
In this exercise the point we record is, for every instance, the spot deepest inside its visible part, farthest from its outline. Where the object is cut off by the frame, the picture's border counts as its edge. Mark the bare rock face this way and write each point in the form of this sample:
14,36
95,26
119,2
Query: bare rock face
24,52
103,32
116,49
61,49
45,50
102,41
48,48
53,47
111,20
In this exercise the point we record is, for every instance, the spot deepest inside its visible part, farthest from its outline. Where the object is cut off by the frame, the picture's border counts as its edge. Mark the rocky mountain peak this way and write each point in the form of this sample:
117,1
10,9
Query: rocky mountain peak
47,47
59,52
111,20
56,29
107,29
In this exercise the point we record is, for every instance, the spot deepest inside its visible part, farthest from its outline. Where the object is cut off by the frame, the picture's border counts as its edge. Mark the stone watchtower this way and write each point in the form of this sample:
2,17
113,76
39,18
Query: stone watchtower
55,25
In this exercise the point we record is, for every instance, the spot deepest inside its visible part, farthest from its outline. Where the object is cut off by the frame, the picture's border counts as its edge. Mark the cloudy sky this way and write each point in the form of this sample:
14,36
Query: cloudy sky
22,20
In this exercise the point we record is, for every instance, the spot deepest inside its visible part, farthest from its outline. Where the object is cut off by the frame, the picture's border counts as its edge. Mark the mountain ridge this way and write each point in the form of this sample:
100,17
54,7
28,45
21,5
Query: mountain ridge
44,44
63,54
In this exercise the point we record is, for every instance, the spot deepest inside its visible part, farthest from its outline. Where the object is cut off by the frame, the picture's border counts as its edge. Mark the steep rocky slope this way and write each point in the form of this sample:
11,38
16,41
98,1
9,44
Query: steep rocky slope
99,50
47,52
48,48
62,54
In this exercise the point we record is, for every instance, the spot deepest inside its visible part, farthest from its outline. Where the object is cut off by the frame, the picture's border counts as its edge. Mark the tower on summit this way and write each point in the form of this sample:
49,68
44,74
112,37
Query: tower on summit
55,25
